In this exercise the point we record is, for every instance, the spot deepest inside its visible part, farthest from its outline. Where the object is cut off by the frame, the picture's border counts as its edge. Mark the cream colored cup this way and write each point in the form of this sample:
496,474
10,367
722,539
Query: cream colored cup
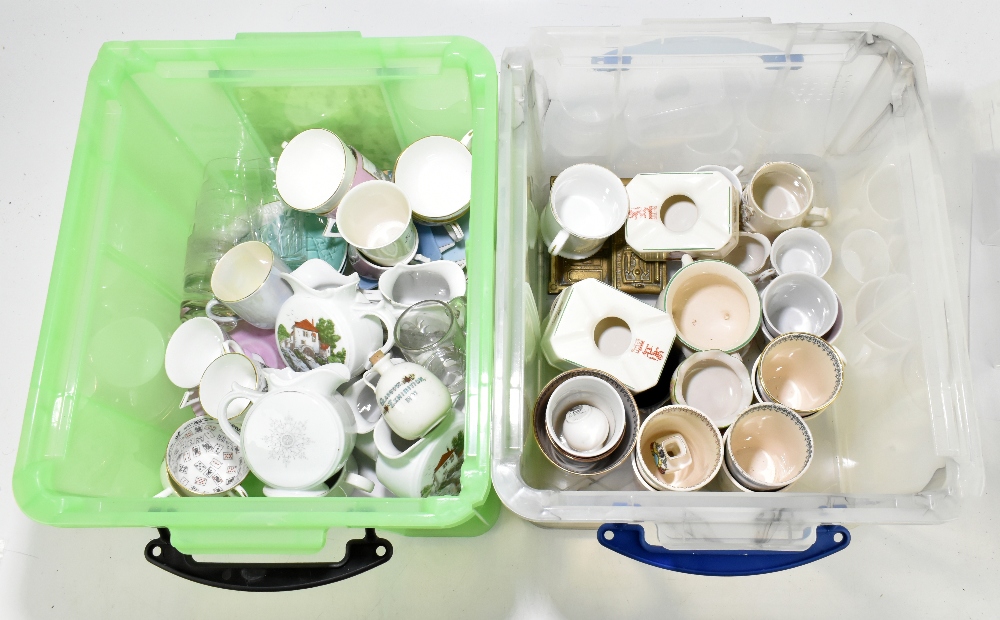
802,372
768,447
779,197
701,438
713,305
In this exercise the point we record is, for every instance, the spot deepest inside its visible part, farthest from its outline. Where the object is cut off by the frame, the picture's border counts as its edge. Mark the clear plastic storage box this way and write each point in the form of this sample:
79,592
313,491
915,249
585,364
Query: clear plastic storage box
848,103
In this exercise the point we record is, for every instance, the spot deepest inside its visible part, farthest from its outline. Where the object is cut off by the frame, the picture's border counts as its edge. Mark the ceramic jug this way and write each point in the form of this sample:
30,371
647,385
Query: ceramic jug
412,398
336,324
299,433
430,466
404,285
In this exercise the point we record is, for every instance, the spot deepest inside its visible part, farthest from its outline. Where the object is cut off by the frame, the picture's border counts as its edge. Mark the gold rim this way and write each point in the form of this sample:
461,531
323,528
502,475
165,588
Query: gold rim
836,391
344,146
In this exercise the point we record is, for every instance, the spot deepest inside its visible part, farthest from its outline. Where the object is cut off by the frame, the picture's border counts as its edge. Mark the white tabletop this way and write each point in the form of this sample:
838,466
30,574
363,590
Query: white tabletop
516,569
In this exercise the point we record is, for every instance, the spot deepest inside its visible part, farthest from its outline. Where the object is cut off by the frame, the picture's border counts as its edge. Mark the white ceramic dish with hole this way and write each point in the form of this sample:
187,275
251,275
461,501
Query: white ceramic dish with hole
676,213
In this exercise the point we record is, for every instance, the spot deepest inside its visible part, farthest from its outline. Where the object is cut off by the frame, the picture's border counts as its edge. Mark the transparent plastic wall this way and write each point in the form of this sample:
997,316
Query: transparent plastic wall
847,103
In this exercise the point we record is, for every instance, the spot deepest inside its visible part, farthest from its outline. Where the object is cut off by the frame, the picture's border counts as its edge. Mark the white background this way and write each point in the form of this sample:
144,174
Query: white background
516,569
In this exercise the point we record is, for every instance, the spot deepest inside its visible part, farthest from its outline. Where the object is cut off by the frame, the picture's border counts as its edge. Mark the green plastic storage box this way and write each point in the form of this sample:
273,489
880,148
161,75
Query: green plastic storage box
100,408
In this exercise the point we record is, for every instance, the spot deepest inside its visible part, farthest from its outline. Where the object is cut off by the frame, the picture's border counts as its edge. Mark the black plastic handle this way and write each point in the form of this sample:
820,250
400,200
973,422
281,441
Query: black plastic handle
361,554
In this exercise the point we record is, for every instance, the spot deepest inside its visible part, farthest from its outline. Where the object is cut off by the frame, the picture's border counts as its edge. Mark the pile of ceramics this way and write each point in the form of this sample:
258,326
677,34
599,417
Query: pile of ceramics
748,277
306,381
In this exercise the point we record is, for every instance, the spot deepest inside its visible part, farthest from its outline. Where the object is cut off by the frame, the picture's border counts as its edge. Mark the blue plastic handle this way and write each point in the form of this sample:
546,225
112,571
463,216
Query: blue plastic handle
628,540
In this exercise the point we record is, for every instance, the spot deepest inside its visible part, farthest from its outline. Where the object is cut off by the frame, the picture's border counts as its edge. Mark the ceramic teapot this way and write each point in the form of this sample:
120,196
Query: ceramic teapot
299,433
336,324
430,466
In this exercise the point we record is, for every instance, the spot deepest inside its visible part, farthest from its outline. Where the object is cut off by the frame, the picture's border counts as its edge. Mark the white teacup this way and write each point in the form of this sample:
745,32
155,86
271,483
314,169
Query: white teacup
702,442
800,371
192,347
588,204
768,447
585,418
248,280
714,383
713,306
435,173
218,381
750,254
830,336
801,250
779,197
799,302
201,461
376,218
316,169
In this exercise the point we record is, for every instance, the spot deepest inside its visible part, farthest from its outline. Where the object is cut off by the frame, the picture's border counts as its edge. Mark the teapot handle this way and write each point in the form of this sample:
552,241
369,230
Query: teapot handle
238,391
382,313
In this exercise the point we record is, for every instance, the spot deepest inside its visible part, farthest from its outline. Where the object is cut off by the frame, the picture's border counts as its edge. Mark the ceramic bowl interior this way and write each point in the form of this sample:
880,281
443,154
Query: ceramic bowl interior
373,214
801,250
576,466
589,201
782,190
770,446
713,305
591,391
750,254
799,302
703,440
714,383
801,371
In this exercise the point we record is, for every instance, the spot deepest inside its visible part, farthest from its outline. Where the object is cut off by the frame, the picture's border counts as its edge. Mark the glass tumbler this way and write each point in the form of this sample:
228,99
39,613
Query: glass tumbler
432,334
273,222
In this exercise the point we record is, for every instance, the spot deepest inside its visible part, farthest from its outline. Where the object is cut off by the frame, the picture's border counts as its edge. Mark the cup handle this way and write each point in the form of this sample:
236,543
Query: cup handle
817,216
238,491
215,317
686,259
767,274
559,241
360,482
188,399
328,229
167,492
454,231
231,346
238,391
467,140
272,492
382,314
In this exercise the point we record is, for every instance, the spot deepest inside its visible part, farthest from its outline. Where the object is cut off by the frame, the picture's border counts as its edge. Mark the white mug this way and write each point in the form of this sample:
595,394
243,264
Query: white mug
192,347
801,250
435,173
247,279
219,378
430,466
799,302
588,204
585,418
316,169
778,197
376,218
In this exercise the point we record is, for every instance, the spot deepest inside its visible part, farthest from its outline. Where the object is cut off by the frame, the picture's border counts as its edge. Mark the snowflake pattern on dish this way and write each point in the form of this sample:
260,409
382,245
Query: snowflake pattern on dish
287,440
